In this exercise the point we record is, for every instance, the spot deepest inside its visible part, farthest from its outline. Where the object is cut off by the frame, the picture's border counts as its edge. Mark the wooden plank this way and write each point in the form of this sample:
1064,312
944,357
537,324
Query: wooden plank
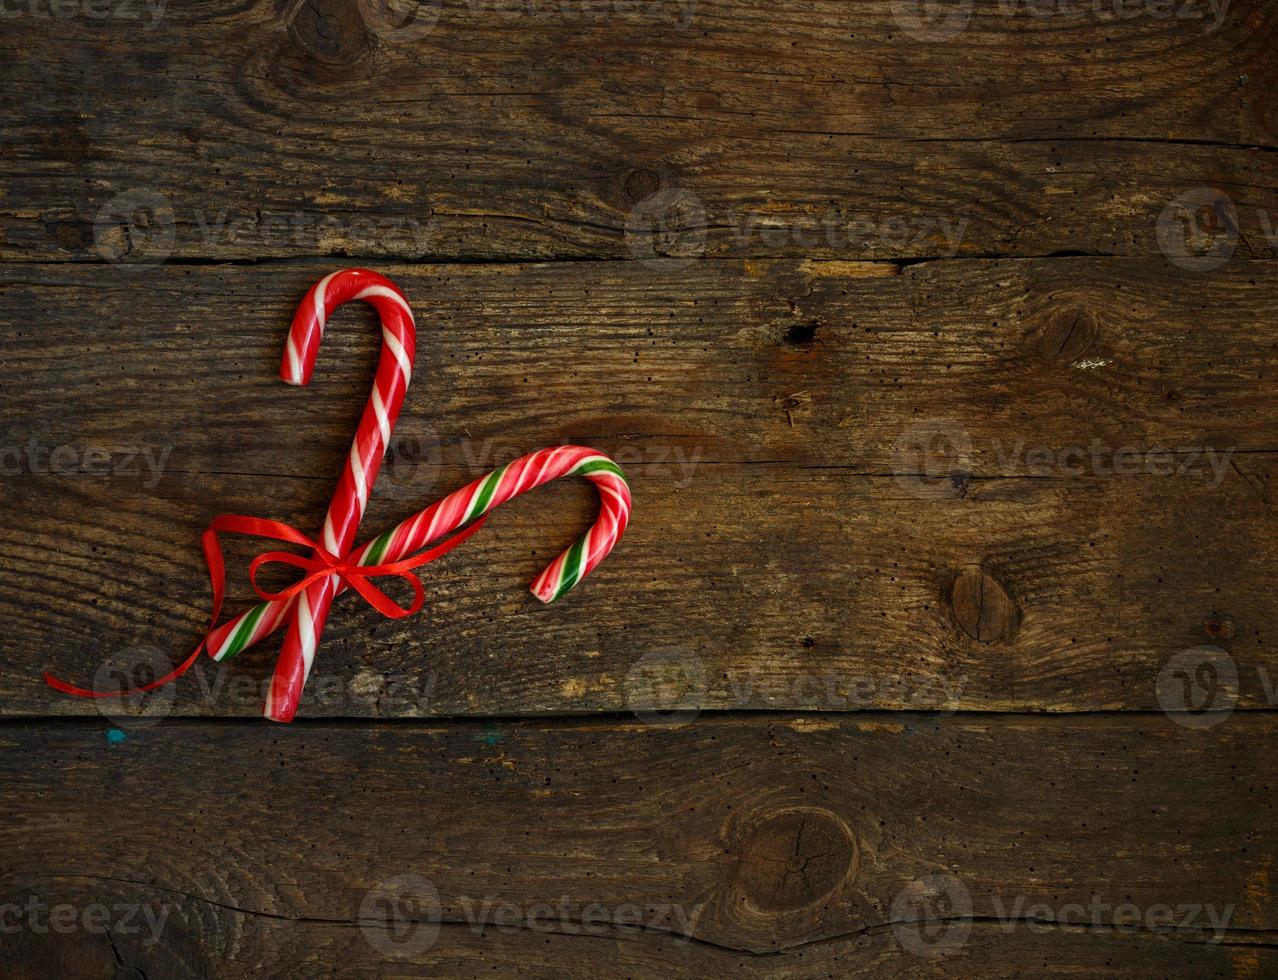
832,584
200,940
940,368
754,587
822,867
822,130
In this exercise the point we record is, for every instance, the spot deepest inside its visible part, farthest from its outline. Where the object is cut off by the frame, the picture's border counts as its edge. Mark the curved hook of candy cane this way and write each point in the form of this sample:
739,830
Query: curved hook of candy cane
473,501
461,507
394,371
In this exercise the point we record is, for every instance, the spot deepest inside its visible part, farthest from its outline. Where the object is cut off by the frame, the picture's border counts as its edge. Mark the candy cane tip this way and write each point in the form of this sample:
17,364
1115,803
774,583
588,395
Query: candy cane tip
269,711
270,714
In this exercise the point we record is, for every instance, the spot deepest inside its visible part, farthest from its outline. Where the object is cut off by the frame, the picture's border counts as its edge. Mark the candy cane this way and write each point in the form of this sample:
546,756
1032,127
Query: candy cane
333,566
394,370
462,507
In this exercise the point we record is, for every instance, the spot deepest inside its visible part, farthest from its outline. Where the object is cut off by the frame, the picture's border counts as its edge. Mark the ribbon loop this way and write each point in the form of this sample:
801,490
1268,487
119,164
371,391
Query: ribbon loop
317,569
383,603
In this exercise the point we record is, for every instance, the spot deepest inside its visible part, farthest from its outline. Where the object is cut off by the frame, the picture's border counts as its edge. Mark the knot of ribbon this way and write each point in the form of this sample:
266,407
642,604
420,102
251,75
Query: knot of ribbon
323,563
320,564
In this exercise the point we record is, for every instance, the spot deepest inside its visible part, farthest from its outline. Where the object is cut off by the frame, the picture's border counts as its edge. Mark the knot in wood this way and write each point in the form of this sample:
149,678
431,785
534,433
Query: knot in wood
641,183
1067,334
330,31
793,859
982,608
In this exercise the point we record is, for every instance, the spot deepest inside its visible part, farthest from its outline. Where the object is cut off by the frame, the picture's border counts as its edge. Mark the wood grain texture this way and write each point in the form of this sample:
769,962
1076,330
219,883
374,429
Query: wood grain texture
804,874
787,552
292,948
942,359
283,129
941,369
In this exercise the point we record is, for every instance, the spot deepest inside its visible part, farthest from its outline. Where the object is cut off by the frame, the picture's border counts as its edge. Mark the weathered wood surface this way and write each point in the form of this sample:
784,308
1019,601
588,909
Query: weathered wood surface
929,399
941,368
284,129
773,587
788,555
302,948
797,855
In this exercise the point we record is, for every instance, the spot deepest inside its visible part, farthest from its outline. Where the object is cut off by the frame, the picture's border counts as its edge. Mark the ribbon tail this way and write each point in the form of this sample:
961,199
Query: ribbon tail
217,581
83,692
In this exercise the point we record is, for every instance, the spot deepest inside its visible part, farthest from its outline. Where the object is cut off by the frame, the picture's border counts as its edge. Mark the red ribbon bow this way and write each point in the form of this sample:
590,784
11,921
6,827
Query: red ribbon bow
319,565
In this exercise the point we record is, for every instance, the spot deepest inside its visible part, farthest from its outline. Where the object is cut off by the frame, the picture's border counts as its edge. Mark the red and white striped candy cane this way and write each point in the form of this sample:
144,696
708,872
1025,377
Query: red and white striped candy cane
394,371
462,507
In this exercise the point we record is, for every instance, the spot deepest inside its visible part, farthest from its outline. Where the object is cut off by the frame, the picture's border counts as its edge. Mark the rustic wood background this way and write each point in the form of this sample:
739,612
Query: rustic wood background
940,343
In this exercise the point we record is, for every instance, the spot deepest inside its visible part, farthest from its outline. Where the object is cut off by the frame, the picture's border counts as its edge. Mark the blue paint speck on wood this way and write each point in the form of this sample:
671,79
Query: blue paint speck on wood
114,736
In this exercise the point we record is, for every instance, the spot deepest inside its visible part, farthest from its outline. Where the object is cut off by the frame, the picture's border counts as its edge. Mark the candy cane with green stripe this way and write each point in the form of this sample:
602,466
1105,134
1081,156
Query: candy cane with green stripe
461,508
